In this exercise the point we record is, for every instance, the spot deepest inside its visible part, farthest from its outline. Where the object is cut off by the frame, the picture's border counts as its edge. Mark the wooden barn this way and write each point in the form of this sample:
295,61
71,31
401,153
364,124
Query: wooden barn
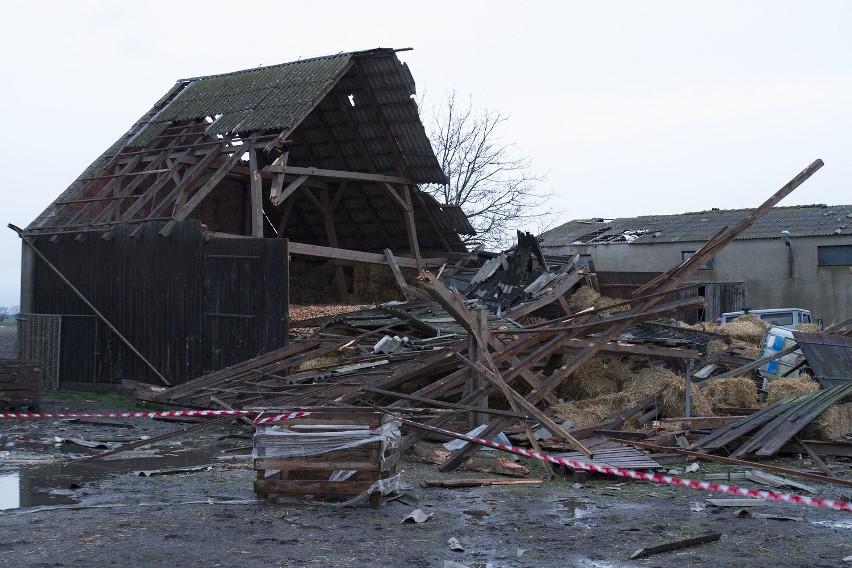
168,257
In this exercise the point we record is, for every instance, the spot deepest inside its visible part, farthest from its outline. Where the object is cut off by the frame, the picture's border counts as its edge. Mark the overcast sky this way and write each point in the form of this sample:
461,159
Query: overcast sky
629,107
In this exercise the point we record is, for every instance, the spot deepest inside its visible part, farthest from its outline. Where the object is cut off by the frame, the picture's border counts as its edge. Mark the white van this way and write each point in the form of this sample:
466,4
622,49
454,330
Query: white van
787,318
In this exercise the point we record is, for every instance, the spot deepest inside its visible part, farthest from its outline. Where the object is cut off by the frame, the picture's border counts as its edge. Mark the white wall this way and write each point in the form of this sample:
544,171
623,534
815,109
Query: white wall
774,275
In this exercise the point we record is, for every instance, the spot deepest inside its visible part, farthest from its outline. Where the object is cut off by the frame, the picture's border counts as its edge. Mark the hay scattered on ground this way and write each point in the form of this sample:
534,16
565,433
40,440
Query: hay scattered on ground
317,362
596,377
808,328
746,328
715,345
835,423
734,392
583,299
701,326
672,401
782,388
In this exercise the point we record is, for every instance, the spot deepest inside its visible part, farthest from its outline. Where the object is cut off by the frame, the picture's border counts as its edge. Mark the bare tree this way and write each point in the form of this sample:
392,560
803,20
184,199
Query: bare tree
497,190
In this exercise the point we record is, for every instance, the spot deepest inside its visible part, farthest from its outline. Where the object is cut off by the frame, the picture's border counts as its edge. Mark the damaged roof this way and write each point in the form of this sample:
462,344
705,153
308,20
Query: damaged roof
329,119
799,220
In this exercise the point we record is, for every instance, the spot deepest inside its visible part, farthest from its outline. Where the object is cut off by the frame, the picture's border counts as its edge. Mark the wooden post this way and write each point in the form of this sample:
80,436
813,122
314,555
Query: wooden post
411,227
256,190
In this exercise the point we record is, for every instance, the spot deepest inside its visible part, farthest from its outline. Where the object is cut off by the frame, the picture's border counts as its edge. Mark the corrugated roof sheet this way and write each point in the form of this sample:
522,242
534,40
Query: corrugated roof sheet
799,220
269,98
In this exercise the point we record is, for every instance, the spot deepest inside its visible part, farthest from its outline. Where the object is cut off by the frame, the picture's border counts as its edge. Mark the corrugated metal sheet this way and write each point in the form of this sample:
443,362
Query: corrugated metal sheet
800,221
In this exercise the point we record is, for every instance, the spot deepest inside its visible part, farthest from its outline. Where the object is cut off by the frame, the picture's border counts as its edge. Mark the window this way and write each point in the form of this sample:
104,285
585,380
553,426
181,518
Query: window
778,319
684,254
835,255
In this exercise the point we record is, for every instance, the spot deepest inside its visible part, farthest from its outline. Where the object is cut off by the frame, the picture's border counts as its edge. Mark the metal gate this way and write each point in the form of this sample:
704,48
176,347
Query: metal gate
39,339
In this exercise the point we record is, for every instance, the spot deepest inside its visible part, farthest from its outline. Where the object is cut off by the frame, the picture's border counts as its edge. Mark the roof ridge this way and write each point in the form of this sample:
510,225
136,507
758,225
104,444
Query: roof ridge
285,63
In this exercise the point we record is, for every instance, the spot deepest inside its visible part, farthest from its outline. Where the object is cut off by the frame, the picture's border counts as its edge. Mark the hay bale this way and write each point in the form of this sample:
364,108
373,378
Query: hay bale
672,401
583,299
594,378
745,328
782,388
808,328
835,424
648,381
734,392
593,410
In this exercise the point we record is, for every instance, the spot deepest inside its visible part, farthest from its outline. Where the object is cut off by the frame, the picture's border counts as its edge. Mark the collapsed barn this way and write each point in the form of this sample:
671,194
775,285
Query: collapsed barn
167,258
168,263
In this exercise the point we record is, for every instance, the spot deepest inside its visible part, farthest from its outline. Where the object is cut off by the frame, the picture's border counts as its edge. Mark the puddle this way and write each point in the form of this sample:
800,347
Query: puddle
576,509
57,483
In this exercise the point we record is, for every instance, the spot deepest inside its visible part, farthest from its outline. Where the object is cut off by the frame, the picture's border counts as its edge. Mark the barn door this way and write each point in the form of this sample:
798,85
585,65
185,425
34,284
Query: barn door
230,310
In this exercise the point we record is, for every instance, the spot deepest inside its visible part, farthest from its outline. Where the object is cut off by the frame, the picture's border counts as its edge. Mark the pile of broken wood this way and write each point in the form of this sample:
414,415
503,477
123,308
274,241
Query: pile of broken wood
458,360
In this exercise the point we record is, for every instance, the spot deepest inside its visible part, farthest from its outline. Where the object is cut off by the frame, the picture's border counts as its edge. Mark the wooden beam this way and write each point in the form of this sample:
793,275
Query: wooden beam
358,256
279,196
256,189
331,233
337,174
411,229
208,186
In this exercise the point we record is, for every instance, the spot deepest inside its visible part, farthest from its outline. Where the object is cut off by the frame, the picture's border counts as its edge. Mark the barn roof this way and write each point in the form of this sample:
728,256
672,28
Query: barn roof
305,122
799,220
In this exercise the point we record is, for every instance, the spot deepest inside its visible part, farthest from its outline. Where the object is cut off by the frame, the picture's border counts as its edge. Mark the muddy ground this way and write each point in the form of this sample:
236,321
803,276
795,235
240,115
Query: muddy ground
57,513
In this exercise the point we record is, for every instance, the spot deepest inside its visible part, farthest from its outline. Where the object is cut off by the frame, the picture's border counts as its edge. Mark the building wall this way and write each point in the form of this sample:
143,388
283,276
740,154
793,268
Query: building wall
774,275
191,303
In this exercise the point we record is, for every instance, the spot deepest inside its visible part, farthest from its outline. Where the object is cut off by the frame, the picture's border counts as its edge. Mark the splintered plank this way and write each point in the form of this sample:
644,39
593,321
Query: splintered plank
677,545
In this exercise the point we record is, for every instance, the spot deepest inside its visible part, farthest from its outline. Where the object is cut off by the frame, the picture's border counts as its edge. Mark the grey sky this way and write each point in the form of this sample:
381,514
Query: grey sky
630,107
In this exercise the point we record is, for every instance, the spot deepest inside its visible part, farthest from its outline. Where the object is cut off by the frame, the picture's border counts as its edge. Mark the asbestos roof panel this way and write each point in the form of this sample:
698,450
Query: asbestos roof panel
270,98
830,356
799,220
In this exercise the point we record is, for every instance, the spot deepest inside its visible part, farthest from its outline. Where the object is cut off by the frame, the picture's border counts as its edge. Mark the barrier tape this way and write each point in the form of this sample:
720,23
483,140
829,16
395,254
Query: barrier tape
574,464
162,414
280,417
653,477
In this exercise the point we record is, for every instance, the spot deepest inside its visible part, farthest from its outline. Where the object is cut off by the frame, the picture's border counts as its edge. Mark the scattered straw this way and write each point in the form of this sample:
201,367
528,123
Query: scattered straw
734,392
593,410
782,388
583,299
808,328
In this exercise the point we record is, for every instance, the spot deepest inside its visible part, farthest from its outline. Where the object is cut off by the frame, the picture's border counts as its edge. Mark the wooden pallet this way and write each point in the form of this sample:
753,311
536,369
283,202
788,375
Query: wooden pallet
20,385
310,475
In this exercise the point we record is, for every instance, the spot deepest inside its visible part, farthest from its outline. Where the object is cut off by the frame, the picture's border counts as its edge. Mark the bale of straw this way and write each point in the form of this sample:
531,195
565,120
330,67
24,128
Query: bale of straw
808,328
782,388
593,410
733,392
672,401
648,381
596,377
747,330
835,424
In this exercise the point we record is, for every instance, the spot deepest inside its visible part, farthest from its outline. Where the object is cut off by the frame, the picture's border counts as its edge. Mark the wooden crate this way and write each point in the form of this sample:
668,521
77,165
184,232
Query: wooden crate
310,475
20,385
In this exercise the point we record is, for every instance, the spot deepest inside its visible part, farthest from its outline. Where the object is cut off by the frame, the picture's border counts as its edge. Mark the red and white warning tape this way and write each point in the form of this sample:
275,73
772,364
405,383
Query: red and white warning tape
631,474
280,417
574,464
162,414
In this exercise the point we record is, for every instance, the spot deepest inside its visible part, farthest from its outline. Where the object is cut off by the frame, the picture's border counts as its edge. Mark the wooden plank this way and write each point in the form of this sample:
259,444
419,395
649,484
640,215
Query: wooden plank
311,487
256,191
338,174
551,296
677,545
358,256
